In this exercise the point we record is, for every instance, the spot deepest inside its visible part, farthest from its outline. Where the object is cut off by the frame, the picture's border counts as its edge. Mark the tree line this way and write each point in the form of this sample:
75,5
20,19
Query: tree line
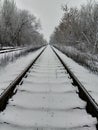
18,27
78,28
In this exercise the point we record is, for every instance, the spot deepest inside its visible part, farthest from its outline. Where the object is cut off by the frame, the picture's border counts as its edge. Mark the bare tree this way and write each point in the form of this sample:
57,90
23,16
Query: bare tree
78,27
17,27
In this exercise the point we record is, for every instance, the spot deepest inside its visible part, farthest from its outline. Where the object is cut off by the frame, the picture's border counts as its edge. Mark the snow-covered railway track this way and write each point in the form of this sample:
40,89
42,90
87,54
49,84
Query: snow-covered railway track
47,98
92,106
10,50
8,92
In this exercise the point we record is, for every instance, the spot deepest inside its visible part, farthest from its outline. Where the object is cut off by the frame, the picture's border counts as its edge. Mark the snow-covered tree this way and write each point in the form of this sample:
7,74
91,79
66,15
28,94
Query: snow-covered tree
17,27
78,27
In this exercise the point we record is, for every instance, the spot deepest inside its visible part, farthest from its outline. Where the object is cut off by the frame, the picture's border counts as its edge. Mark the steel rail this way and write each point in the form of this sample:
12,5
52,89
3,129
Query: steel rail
8,92
11,50
17,49
92,106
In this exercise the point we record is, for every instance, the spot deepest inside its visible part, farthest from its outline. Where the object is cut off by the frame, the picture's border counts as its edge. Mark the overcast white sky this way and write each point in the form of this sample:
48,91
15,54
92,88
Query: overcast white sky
49,11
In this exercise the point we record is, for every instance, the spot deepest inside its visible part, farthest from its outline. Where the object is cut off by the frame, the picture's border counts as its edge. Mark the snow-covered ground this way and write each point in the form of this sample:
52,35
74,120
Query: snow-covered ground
10,71
9,56
86,77
46,100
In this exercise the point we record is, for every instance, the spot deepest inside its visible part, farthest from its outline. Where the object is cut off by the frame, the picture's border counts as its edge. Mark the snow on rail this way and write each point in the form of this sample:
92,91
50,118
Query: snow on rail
13,69
87,78
46,100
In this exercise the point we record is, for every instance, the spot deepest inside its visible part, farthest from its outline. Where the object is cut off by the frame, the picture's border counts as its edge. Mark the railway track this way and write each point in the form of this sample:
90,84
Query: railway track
47,96
2,49
10,50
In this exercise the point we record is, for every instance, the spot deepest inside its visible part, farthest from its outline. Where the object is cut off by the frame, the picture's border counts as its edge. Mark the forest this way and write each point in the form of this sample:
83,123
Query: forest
77,34
18,27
